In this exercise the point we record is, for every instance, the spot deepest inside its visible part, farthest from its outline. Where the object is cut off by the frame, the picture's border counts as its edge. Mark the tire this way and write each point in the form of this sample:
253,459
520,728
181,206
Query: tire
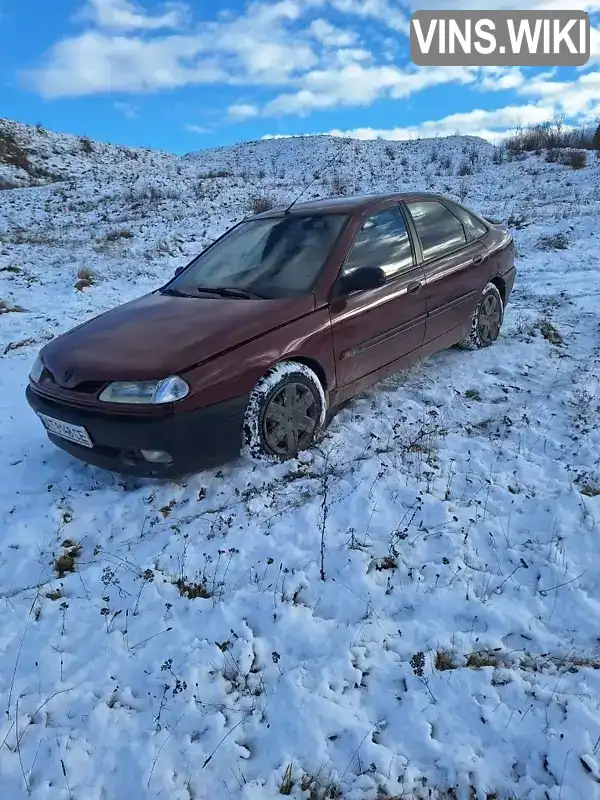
486,320
285,413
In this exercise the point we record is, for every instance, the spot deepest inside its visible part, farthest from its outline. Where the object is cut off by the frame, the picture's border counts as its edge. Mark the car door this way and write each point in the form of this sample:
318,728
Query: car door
449,256
373,328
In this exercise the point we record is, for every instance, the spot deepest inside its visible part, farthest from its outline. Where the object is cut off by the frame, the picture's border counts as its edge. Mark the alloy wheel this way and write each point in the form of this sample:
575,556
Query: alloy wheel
290,419
490,318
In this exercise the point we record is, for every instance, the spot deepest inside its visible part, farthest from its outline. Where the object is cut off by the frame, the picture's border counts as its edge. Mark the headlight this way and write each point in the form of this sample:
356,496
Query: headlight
36,370
167,390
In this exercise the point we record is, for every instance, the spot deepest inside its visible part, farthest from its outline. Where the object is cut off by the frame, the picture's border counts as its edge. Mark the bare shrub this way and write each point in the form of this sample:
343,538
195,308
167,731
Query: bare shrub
11,152
550,135
86,145
554,241
465,169
576,159
6,183
339,186
6,307
216,173
114,236
86,274
260,203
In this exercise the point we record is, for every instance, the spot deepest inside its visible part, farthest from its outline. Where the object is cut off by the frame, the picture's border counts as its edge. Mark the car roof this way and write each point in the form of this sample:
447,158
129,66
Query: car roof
345,205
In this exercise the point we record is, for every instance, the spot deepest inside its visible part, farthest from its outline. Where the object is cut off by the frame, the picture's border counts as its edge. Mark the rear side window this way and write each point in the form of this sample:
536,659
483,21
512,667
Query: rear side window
472,225
383,241
439,230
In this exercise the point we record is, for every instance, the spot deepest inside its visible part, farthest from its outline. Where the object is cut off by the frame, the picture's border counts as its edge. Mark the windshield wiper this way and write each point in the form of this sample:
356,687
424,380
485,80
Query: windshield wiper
174,292
230,291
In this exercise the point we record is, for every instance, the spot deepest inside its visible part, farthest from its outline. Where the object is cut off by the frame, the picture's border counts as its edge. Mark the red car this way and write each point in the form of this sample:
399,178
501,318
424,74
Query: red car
273,326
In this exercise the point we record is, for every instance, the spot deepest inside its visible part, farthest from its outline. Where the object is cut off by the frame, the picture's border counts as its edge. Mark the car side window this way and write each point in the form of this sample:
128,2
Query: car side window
472,225
383,241
438,229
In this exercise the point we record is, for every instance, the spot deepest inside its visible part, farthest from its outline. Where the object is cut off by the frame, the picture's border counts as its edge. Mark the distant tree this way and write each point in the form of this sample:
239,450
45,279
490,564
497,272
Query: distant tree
596,138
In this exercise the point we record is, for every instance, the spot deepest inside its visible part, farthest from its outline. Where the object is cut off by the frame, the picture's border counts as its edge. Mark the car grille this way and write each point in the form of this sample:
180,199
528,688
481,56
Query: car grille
85,387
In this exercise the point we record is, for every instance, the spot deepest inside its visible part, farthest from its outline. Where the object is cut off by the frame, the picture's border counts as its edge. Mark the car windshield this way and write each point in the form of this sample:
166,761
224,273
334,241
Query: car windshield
273,257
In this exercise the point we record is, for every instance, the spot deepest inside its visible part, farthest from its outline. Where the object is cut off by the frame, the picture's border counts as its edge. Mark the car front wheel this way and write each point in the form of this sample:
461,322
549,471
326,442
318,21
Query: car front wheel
486,320
286,412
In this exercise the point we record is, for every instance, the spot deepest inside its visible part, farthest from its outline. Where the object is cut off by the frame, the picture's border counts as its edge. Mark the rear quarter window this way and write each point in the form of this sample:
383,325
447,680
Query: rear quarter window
439,230
474,227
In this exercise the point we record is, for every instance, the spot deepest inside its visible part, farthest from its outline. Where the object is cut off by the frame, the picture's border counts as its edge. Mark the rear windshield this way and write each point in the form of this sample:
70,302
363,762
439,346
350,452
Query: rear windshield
273,257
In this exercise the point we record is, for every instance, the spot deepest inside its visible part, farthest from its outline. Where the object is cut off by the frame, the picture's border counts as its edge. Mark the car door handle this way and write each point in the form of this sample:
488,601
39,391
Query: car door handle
478,260
414,288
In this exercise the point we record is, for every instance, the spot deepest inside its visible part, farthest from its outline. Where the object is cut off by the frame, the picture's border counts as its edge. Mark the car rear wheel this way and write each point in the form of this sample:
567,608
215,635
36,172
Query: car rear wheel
486,320
285,413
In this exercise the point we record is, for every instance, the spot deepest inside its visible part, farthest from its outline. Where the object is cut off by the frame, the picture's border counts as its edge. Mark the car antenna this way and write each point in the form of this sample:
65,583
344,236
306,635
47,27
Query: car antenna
317,175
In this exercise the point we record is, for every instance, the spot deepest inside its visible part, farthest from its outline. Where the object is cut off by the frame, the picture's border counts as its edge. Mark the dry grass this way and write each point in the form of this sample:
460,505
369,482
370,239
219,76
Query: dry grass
484,658
549,332
114,236
6,307
85,274
576,159
192,590
590,489
85,278
445,660
385,563
17,345
555,241
260,203
66,561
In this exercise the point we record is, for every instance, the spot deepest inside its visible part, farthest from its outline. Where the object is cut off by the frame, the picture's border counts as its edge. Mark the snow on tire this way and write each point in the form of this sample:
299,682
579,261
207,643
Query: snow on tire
269,405
486,320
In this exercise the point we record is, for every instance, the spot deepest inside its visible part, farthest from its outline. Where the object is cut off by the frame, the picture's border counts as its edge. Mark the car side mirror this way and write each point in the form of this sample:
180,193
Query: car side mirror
178,271
363,279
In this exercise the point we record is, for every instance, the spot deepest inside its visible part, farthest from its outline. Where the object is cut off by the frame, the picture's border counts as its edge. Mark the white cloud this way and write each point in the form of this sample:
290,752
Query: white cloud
594,47
358,85
385,11
578,99
128,111
331,36
349,55
531,5
125,15
500,78
241,111
197,128
256,48
94,62
491,125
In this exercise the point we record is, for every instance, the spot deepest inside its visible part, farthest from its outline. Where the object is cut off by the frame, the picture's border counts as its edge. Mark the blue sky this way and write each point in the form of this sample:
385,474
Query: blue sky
202,73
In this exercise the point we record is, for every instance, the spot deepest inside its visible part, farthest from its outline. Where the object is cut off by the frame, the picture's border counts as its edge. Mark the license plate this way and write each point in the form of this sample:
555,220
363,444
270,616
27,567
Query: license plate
74,433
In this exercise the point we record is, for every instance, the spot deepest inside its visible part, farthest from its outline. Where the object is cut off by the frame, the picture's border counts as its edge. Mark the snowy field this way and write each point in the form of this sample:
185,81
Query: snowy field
408,611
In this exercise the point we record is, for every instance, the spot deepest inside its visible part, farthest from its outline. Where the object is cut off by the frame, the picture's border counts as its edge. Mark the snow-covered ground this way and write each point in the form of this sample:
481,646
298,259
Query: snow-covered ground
410,607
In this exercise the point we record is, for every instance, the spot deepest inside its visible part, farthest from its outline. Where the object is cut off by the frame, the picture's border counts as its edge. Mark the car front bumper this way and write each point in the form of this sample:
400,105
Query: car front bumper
195,440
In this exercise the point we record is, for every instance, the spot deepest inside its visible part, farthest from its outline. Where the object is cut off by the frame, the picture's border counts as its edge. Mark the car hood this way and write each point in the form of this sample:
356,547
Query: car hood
159,335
